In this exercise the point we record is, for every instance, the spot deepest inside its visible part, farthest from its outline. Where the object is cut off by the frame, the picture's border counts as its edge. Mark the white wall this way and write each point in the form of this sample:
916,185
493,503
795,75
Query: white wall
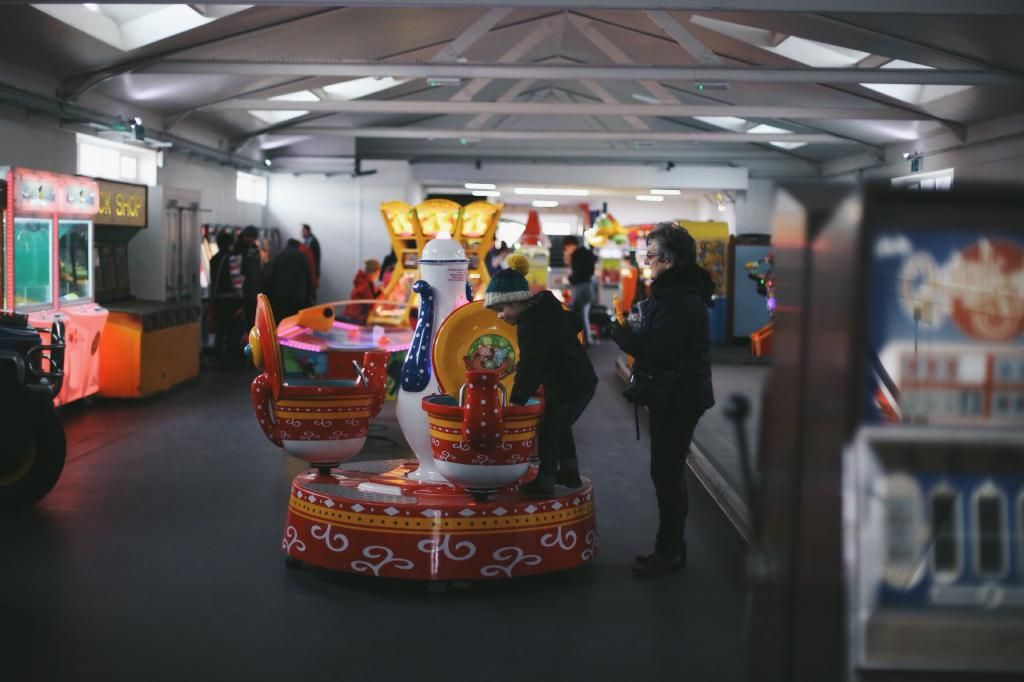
217,185
754,208
38,147
344,213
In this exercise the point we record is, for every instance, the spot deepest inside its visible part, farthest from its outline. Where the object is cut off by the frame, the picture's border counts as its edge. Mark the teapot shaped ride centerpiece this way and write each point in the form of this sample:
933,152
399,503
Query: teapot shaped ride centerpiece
478,441
322,422
442,288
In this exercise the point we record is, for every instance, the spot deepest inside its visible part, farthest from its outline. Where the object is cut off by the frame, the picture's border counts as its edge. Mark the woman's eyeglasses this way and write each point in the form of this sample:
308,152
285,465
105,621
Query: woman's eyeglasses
651,256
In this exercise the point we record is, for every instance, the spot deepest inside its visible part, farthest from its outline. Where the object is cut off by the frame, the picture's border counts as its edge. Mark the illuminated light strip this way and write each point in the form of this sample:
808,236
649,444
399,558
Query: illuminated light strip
306,416
324,402
387,524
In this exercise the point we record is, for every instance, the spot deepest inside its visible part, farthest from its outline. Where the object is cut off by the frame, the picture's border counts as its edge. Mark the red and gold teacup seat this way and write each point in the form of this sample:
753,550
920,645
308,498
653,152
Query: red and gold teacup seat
322,422
478,441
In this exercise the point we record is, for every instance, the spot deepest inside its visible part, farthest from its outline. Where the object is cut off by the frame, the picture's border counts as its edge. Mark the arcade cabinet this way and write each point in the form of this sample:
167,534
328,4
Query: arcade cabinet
889,536
148,346
48,251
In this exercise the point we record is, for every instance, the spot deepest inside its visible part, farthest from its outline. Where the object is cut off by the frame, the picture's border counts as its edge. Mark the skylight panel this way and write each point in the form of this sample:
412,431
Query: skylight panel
813,53
733,123
765,129
748,34
129,27
913,93
300,96
788,145
361,87
273,116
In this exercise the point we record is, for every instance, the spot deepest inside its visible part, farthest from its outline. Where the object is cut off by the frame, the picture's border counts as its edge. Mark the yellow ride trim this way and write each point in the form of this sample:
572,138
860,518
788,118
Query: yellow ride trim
457,438
379,523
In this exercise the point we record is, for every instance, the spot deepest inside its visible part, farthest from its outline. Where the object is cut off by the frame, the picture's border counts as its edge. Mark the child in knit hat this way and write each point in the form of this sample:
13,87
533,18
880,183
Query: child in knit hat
550,354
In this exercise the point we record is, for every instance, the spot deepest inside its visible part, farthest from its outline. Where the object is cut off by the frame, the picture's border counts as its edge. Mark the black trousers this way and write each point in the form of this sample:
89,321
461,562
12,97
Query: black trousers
555,444
672,427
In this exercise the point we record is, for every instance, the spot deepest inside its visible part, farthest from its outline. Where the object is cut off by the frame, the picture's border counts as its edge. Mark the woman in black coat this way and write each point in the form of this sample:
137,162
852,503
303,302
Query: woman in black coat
672,339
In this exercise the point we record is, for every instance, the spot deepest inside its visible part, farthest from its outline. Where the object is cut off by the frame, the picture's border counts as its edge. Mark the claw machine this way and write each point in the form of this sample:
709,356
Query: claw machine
48,235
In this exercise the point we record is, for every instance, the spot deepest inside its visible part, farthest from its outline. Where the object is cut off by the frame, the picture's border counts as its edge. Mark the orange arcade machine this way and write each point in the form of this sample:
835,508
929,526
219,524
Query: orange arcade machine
48,254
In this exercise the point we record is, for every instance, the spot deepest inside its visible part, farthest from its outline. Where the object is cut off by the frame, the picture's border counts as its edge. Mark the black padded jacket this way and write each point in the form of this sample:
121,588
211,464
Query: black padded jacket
550,353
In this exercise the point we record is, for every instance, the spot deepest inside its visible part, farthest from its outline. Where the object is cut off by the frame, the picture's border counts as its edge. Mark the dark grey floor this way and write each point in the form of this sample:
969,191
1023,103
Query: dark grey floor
157,557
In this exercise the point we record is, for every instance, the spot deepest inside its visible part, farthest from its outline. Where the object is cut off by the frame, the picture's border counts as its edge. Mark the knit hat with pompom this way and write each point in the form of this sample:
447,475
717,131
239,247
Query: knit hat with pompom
510,284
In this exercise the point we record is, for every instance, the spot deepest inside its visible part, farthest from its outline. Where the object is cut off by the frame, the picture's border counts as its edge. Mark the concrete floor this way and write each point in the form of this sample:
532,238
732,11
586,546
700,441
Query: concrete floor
157,557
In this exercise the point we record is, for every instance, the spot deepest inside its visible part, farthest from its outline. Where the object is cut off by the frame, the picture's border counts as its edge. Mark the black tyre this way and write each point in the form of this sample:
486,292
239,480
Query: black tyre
33,467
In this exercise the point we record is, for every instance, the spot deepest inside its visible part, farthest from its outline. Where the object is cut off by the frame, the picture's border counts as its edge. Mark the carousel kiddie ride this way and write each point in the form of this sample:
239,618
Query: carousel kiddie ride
453,513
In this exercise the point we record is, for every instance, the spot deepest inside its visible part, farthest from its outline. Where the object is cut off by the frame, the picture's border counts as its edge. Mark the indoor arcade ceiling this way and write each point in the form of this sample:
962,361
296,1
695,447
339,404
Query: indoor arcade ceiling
782,91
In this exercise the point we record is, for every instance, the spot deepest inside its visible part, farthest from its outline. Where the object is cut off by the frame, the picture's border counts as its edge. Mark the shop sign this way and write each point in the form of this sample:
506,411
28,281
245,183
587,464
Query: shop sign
121,204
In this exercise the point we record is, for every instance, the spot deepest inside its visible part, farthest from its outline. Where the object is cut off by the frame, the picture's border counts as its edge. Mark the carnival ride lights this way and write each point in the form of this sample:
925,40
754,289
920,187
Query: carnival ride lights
455,513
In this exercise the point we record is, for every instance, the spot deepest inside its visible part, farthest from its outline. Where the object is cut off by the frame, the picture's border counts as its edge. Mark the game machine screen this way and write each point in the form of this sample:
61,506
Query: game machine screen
479,223
934,476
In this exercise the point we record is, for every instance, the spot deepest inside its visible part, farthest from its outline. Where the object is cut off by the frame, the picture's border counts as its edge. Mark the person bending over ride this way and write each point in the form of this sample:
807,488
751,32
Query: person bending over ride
550,354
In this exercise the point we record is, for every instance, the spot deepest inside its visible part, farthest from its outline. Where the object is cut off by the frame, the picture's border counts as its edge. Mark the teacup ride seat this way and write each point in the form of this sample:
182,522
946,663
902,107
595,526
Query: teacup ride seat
480,442
321,421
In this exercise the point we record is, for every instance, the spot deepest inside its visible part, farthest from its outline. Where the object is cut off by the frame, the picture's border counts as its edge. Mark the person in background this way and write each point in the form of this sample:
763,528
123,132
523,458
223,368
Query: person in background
311,259
363,288
387,266
288,282
581,271
251,274
673,341
550,355
495,259
227,301
314,245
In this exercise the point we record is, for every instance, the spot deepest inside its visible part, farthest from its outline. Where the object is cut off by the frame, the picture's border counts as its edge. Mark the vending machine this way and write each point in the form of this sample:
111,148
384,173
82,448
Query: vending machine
891,513
48,234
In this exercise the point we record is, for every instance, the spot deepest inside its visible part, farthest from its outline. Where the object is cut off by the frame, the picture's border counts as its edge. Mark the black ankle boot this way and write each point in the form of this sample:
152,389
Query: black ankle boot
569,478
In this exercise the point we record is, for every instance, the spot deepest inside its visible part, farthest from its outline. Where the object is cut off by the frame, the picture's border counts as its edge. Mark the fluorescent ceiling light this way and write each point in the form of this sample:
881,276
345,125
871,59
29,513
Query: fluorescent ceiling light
649,197
480,185
646,99
667,192
553,191
361,87
543,203
555,229
733,123
486,193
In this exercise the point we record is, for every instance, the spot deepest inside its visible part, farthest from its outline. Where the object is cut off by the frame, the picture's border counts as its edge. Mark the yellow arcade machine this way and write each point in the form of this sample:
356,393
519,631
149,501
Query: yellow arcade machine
411,227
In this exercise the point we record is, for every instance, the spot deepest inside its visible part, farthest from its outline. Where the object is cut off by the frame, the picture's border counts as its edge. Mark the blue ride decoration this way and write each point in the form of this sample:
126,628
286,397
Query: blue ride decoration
416,371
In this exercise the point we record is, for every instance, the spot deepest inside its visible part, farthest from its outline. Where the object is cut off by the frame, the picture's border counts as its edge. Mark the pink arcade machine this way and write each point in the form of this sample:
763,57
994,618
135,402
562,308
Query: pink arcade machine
48,265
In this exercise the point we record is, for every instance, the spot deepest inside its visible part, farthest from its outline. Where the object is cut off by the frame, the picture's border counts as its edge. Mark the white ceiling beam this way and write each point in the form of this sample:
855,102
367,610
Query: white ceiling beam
958,7
413,133
615,53
519,88
632,72
595,88
409,106
474,32
698,50
513,55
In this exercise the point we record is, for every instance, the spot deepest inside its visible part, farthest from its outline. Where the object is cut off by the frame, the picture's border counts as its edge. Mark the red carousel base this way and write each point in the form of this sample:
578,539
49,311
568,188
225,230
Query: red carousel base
369,518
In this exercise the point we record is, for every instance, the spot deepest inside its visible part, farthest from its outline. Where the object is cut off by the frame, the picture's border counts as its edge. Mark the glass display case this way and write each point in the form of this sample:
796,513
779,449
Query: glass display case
33,263
74,259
